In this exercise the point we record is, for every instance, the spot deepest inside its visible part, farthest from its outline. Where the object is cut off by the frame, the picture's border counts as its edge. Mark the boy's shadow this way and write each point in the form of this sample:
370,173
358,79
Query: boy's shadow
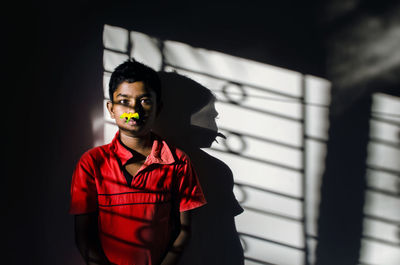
187,121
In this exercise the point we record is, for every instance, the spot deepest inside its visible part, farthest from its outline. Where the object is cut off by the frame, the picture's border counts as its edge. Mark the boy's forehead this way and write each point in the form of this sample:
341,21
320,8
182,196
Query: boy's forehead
132,89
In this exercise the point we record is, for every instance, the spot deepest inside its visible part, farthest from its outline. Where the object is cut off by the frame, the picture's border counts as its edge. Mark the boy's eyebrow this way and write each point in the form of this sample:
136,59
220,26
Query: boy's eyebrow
123,95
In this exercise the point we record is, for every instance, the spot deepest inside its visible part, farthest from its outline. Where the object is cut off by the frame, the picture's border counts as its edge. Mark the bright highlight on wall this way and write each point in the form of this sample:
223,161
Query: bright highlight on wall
381,228
276,124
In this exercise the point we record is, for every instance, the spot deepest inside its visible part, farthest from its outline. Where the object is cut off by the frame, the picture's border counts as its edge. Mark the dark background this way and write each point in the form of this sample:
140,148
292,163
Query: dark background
53,72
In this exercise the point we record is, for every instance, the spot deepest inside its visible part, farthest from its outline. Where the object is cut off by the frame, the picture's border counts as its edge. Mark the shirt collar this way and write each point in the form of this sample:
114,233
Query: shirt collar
160,152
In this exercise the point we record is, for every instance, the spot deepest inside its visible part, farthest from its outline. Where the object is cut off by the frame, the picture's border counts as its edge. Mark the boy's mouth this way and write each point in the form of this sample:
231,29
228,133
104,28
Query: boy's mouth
132,122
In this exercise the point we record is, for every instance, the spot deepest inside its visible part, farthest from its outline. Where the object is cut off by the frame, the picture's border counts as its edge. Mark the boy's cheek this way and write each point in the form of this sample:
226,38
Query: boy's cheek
118,112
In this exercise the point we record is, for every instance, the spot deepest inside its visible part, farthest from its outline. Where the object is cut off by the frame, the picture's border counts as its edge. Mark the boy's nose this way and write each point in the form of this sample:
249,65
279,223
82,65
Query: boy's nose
135,107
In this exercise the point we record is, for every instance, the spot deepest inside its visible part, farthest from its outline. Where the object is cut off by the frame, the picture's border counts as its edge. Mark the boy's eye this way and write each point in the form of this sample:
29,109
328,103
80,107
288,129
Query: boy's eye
124,102
146,101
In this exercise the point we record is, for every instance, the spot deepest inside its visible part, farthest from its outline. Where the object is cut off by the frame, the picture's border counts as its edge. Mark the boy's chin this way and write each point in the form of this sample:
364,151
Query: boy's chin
136,132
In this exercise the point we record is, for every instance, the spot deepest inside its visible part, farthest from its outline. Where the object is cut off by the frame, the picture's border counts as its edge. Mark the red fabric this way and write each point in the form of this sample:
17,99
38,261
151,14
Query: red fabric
134,220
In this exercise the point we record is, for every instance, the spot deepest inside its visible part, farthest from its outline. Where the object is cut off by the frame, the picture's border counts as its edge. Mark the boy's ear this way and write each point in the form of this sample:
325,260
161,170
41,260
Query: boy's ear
110,109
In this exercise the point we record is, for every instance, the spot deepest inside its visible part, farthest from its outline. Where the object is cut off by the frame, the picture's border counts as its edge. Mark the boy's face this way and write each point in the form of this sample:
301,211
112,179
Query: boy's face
131,98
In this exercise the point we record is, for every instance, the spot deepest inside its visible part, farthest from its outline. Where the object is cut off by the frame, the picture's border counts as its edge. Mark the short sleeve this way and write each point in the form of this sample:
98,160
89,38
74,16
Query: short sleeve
189,192
83,188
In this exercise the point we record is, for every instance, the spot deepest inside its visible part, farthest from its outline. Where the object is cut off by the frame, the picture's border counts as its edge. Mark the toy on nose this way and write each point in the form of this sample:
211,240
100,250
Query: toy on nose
129,116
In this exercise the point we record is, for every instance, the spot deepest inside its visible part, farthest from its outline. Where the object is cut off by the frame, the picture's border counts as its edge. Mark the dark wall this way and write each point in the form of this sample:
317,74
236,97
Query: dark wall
54,68
280,33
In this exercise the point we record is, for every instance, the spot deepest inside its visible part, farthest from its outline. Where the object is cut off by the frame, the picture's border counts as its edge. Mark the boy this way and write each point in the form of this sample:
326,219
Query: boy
125,195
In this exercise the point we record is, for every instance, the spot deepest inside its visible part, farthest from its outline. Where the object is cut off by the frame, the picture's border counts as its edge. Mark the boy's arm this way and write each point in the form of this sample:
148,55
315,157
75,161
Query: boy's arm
176,250
87,239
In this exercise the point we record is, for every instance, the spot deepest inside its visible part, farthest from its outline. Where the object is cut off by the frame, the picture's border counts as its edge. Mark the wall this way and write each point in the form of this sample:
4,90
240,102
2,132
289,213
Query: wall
54,57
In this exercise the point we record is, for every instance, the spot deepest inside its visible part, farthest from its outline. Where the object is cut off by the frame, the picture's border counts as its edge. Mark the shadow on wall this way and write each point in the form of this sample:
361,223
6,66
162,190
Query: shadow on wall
187,120
343,187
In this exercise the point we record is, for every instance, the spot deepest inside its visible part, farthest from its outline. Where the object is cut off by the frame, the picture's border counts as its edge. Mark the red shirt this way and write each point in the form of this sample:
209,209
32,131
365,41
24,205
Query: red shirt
135,219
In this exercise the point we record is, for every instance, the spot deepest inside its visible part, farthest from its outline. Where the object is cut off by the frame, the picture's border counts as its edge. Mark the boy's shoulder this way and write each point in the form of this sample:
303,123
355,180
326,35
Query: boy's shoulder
178,154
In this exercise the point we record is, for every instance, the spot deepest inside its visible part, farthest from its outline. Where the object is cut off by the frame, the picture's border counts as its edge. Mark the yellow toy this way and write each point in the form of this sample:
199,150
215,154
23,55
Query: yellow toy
129,116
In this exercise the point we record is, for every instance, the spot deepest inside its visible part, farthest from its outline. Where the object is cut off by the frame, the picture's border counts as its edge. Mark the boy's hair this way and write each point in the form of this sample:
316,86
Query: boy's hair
132,71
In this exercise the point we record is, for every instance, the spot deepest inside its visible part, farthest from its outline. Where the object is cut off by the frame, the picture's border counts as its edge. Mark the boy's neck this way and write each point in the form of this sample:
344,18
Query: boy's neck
140,144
